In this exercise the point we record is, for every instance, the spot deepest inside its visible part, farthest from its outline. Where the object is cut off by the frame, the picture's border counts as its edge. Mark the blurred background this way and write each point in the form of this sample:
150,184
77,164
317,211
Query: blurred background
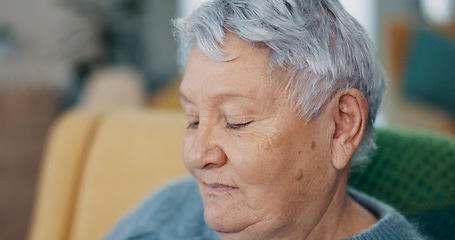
56,55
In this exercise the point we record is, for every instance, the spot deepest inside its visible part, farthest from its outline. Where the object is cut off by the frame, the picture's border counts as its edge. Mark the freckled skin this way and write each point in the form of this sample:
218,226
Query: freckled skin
281,185
299,175
313,145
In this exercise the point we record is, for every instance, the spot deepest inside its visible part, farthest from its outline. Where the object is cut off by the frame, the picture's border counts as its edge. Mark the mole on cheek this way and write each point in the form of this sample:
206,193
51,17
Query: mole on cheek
313,145
298,175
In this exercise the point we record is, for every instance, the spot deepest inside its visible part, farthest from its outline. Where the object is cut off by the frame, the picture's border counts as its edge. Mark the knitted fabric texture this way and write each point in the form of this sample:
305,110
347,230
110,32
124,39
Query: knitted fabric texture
415,173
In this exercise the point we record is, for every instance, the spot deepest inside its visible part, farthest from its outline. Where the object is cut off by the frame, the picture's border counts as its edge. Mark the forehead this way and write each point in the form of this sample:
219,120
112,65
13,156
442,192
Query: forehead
246,72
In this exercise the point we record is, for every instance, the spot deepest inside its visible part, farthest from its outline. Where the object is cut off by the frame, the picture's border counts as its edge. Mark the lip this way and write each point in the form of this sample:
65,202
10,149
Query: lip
219,187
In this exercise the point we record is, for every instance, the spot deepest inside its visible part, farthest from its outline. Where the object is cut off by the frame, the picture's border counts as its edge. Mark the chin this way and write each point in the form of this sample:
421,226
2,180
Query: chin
223,221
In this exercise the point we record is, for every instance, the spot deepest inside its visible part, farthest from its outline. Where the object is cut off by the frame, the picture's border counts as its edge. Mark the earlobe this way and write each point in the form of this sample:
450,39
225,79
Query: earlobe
351,117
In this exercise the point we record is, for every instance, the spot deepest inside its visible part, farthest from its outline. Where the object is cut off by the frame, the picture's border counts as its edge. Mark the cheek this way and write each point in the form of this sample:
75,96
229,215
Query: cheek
258,159
187,144
316,171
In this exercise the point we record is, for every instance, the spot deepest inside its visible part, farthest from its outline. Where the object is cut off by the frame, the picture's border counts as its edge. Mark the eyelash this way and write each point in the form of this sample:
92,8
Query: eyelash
235,126
194,125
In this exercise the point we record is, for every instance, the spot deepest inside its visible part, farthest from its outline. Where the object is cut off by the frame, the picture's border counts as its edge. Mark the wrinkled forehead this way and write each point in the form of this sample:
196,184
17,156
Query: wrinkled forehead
246,71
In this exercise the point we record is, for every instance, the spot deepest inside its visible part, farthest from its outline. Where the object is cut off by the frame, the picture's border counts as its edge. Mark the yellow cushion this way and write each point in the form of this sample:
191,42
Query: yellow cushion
132,154
64,159
100,165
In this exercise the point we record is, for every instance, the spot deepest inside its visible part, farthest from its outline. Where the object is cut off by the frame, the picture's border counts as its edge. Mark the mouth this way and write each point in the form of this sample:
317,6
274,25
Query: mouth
218,187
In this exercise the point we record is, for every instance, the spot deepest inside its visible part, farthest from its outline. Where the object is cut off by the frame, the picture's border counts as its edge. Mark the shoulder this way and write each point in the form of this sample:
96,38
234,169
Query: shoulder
391,224
173,212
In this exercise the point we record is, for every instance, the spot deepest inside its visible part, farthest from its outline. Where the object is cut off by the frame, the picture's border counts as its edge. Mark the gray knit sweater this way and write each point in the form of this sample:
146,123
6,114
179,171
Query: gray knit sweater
176,213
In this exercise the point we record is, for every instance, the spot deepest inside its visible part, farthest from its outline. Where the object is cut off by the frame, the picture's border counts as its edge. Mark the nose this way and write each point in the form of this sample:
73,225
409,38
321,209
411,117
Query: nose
202,150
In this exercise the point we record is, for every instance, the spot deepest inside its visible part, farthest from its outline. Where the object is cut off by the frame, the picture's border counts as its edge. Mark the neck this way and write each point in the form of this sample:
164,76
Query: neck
343,218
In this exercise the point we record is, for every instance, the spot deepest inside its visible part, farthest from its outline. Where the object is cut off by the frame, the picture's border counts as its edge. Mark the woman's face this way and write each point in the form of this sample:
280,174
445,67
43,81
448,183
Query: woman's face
260,168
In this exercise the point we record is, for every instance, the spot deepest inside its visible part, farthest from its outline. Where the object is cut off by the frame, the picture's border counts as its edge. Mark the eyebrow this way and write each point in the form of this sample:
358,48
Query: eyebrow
218,96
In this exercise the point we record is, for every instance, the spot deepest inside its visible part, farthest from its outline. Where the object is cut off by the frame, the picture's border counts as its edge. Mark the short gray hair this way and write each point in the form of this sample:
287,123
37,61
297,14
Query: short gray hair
323,48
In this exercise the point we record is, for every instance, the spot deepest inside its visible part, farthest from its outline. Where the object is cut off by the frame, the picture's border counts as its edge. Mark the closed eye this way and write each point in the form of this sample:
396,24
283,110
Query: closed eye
194,125
236,126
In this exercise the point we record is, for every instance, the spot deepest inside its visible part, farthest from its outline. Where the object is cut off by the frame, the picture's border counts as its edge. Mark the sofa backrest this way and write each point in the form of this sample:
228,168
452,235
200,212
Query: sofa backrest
98,165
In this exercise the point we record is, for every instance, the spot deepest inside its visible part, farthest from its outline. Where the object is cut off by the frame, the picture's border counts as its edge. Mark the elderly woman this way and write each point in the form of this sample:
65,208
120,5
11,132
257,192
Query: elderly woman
280,96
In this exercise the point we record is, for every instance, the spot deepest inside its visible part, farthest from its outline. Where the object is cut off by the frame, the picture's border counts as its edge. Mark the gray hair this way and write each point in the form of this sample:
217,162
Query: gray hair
322,47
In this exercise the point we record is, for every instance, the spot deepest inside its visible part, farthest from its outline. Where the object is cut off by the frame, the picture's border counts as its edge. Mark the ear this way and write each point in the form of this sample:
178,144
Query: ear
351,117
